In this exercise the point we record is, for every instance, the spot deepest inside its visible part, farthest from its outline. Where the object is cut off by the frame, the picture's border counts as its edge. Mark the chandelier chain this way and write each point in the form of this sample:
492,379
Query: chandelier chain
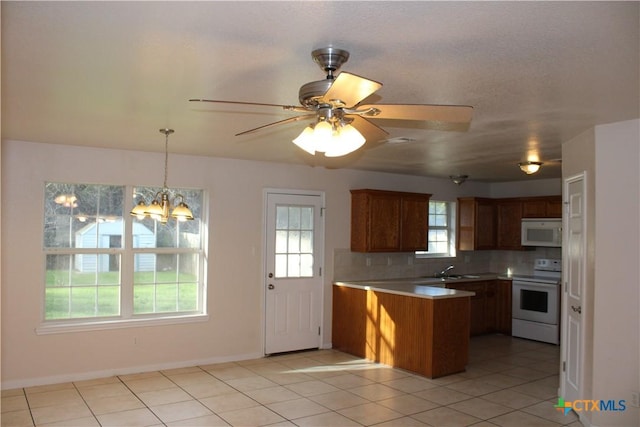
166,159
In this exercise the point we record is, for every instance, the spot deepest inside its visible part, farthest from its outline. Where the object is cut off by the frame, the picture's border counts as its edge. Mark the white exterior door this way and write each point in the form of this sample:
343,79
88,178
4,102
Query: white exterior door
574,272
293,265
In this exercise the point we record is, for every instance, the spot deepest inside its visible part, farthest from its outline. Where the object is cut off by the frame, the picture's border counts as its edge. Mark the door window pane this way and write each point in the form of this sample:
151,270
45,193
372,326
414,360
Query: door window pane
294,241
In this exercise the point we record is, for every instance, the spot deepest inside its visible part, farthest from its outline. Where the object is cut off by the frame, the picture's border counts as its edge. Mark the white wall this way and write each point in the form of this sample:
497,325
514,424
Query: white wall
530,187
611,156
616,336
235,298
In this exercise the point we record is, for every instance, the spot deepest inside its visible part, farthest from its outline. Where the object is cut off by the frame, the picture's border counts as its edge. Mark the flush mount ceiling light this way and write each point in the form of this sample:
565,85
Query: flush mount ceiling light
332,135
161,204
458,179
530,167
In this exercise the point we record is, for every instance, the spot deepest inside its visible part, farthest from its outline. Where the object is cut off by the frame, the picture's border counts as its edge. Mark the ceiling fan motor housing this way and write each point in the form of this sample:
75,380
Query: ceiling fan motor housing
330,59
310,94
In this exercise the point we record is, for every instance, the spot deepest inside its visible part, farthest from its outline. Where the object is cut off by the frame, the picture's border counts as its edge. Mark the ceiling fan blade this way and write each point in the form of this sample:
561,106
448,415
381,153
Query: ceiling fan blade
371,132
280,122
425,112
349,89
284,107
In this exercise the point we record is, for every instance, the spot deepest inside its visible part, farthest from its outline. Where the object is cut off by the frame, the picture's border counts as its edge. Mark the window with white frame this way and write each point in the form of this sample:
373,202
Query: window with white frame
441,237
103,264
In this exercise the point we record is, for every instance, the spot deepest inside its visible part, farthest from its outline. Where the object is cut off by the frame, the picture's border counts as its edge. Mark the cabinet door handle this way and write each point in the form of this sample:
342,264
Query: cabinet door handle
271,286
576,309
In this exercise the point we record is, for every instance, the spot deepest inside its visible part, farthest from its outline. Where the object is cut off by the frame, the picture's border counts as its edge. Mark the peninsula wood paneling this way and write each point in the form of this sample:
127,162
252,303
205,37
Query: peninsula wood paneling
427,336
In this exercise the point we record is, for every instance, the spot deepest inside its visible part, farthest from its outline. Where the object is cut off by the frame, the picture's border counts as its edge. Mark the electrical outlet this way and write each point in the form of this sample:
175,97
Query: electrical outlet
635,399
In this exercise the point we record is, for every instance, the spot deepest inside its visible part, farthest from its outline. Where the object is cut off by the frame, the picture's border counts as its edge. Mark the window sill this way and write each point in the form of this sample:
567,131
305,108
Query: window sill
428,255
84,326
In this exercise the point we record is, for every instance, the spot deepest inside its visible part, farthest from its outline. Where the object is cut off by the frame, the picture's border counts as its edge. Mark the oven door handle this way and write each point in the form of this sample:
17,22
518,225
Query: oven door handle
534,285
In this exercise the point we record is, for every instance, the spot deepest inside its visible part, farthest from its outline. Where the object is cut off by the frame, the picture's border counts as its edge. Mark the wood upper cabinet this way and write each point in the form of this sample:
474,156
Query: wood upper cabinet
509,218
389,221
542,207
496,223
476,221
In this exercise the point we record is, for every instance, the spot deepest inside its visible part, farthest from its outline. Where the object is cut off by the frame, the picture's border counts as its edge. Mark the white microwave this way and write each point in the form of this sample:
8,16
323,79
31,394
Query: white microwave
542,232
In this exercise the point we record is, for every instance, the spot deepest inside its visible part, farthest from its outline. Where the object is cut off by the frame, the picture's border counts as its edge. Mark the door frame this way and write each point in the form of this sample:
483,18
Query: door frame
263,283
564,320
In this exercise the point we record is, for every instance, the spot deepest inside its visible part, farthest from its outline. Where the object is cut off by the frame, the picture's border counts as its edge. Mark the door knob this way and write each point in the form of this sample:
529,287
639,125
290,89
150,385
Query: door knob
576,309
271,286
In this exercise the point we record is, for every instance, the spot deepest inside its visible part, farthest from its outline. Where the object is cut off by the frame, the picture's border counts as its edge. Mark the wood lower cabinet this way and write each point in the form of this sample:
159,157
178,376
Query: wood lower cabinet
503,306
389,221
478,306
422,335
490,308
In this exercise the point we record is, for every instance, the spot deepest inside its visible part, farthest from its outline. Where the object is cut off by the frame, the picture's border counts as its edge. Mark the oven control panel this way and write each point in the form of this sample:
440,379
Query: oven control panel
548,264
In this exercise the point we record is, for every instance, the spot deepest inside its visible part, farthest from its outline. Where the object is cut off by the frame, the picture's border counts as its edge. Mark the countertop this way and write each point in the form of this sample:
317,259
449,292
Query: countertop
421,287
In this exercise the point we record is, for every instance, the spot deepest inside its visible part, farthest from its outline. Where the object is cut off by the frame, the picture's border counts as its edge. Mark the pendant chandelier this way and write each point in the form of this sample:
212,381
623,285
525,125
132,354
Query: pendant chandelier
332,135
161,207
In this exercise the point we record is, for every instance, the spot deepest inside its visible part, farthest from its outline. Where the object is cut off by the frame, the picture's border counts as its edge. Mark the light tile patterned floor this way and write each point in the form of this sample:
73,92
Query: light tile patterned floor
509,382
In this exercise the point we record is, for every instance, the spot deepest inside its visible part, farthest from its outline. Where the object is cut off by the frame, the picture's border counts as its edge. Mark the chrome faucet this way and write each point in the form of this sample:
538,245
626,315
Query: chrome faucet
445,272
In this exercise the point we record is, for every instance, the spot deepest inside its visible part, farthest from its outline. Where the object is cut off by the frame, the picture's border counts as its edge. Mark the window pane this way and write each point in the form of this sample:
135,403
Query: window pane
293,267
281,241
282,217
281,265
82,215
82,285
306,265
306,219
188,297
306,241
294,218
441,232
166,298
149,233
165,283
143,299
188,268
294,242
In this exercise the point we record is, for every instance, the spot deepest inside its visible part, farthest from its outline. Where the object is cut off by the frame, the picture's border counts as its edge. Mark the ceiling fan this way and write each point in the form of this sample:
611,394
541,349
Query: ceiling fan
341,124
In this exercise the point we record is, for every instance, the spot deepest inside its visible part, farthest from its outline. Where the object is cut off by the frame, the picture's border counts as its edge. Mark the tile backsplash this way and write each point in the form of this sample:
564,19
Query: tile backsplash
370,266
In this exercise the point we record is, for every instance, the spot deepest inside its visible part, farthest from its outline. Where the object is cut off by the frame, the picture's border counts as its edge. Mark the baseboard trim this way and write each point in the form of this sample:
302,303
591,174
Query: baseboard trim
83,376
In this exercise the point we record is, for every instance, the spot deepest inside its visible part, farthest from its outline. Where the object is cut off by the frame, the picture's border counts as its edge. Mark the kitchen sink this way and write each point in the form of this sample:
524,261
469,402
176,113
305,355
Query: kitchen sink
449,277
462,276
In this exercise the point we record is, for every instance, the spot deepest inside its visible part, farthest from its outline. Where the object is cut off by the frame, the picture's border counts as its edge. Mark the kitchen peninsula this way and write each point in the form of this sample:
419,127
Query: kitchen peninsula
418,326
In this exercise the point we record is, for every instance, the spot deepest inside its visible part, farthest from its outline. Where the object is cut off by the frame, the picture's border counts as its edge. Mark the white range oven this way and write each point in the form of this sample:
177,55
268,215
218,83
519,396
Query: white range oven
536,302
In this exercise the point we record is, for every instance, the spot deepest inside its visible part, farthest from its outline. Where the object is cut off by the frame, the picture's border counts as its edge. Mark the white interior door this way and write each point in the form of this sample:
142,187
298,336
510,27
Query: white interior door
574,271
293,266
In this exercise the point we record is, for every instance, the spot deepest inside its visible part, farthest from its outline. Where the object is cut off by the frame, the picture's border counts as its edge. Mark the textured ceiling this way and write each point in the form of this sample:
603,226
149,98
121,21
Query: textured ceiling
110,74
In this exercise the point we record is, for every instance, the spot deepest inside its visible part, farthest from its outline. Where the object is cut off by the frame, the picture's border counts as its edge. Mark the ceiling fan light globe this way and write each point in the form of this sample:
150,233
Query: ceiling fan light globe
323,135
306,141
347,141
